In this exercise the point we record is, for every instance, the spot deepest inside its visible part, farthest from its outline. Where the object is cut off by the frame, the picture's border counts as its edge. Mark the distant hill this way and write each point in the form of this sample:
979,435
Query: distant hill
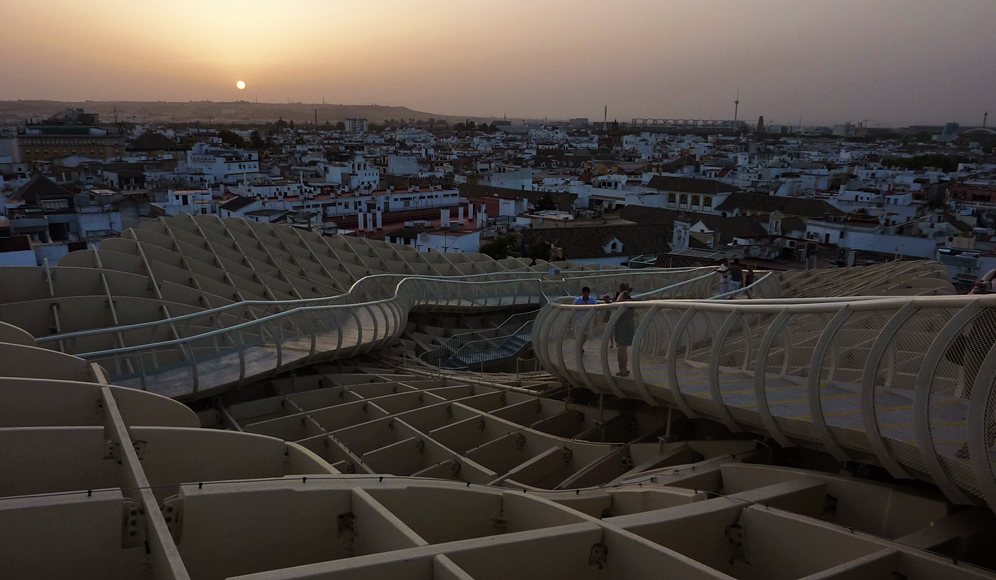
15,112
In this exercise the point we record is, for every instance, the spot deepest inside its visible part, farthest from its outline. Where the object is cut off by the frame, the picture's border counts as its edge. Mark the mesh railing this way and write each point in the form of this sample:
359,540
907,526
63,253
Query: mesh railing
222,349
898,380
480,346
368,289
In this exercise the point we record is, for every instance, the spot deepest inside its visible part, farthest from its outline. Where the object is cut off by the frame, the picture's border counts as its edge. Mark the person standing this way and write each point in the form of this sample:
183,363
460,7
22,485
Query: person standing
585,299
736,276
724,276
624,329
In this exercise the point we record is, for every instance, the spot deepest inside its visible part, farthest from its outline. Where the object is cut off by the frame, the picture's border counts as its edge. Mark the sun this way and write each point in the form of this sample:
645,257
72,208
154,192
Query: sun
241,85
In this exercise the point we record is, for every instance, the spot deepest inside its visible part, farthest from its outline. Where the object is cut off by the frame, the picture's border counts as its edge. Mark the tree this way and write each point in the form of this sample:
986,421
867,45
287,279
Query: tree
256,141
498,248
546,203
539,251
232,139
340,126
280,124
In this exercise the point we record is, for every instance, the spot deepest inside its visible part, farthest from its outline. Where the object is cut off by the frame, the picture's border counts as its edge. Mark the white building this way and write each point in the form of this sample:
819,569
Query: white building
190,201
277,189
391,200
402,165
356,125
356,175
445,240
510,177
223,165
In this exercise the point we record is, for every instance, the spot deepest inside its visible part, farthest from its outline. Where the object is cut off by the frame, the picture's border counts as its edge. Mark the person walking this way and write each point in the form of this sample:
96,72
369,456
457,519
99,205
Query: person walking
585,299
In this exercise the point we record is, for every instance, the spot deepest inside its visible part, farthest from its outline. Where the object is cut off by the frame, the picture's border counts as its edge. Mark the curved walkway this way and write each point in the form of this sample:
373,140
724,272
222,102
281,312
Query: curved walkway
903,381
221,349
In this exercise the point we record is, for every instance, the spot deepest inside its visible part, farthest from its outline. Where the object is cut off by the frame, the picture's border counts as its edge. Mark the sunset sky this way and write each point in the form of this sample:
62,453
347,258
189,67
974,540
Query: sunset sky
893,62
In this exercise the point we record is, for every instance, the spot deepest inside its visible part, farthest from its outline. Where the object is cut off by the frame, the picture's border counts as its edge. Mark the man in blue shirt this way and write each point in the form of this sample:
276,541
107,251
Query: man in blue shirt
585,297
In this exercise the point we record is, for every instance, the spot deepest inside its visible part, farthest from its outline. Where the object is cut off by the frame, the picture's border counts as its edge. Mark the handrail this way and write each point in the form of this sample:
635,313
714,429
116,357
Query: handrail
692,285
356,288
755,285
407,280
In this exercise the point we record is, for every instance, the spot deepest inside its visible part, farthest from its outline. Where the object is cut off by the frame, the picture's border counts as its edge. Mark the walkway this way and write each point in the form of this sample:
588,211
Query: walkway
905,382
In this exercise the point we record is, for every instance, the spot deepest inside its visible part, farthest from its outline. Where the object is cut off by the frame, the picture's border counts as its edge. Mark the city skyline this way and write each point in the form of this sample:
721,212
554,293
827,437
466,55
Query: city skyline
890,63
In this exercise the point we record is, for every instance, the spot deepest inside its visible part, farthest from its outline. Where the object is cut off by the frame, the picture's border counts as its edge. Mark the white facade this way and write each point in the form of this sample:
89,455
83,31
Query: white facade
511,178
190,201
402,165
449,242
274,190
512,207
99,223
902,246
391,200
702,203
223,165
443,241
357,174
356,125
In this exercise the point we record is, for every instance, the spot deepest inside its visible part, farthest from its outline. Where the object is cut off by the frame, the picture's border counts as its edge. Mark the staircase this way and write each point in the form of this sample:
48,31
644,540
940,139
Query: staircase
473,355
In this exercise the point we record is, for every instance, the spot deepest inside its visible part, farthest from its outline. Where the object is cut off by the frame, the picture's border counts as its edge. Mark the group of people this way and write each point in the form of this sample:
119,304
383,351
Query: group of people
624,329
733,277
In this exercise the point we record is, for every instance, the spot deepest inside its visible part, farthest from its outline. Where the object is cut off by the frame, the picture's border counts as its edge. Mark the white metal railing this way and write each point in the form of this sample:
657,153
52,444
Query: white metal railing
477,348
906,380
221,355
699,286
369,288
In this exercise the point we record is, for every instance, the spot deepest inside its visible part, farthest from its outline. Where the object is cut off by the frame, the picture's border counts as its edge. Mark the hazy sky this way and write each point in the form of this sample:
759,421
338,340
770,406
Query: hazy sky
829,61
